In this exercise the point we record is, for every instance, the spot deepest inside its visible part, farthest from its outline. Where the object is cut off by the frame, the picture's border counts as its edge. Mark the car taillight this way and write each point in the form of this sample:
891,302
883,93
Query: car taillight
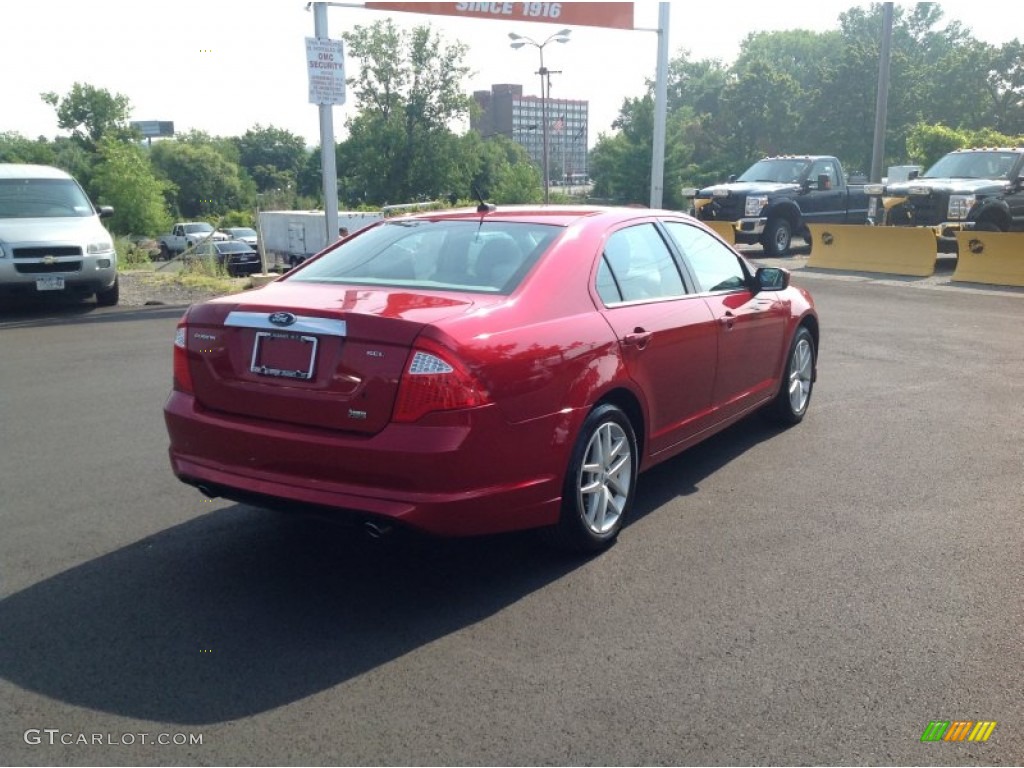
434,380
182,374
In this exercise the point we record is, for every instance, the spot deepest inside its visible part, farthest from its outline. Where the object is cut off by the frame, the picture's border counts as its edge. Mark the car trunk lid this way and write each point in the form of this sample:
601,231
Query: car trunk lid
311,355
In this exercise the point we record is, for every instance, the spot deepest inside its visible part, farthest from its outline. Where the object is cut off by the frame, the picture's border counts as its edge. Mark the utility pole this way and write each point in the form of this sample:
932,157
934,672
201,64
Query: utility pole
882,101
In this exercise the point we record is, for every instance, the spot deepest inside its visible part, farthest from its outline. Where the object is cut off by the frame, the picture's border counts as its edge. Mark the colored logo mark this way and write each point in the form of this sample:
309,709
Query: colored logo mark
958,730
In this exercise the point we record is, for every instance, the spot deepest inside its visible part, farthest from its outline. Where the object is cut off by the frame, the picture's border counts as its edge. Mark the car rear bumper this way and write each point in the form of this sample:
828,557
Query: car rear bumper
480,476
243,267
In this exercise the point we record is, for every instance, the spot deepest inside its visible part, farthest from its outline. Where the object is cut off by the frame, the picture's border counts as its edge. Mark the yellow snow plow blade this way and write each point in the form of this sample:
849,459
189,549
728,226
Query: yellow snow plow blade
994,258
861,248
724,229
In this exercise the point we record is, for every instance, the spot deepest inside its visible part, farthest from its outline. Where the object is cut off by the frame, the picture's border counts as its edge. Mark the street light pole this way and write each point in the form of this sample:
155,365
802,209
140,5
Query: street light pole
544,118
518,41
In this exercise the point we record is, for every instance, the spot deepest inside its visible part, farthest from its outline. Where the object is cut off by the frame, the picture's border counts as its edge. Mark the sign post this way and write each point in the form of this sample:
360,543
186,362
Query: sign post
326,61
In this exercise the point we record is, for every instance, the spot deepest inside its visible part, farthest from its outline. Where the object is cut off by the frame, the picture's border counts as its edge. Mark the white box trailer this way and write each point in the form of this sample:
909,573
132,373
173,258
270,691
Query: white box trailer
293,236
902,172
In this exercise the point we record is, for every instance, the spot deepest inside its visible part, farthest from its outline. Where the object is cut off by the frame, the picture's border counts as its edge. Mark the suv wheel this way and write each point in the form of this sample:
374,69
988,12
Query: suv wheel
109,297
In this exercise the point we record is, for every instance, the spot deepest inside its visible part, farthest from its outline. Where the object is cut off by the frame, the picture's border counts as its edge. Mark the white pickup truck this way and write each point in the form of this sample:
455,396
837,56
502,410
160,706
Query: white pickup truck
186,234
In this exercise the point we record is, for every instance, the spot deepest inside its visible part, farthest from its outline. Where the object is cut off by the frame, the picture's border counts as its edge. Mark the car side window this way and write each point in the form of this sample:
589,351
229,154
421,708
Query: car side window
826,167
714,265
637,265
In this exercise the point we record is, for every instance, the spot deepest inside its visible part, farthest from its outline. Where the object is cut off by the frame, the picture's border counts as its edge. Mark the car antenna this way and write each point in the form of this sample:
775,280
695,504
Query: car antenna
483,207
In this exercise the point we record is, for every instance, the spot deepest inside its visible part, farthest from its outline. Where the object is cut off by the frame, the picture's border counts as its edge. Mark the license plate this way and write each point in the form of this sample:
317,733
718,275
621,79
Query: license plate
51,283
288,355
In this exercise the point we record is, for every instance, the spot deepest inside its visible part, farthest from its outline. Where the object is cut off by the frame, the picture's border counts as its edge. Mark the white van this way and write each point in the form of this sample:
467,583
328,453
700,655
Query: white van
51,238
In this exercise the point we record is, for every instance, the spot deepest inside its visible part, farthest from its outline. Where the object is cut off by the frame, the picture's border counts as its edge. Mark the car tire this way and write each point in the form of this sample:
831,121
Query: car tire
109,297
790,404
600,483
777,237
165,254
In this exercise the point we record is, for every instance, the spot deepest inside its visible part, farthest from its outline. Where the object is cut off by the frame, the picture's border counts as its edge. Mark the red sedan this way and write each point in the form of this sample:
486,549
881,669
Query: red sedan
470,372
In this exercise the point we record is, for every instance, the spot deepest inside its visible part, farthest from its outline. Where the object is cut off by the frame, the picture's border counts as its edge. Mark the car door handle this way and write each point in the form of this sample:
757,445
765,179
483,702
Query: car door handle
727,319
639,338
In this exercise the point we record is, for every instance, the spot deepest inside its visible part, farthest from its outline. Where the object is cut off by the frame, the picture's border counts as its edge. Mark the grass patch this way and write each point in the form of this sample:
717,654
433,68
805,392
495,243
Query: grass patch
196,281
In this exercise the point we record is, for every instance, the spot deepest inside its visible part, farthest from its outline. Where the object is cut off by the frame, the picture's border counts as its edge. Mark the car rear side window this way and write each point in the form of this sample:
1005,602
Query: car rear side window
636,265
490,256
714,265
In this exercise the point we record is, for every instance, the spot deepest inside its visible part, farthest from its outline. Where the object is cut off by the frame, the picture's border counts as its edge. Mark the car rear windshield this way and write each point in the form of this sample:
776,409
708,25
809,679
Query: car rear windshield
42,198
489,256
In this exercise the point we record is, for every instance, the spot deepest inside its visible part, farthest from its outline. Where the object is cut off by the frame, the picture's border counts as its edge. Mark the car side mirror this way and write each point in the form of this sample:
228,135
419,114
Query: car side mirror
732,178
913,175
106,211
771,278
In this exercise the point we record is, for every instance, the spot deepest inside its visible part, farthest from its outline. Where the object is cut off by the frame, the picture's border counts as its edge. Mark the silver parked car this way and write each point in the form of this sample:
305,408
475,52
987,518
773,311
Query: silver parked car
246,234
51,238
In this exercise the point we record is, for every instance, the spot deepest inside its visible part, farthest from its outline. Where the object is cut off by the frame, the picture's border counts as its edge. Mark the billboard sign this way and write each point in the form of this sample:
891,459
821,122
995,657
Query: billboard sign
153,129
612,15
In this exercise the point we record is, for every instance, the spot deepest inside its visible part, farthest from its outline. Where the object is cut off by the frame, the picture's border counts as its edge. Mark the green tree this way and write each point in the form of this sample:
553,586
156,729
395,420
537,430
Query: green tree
621,163
71,156
91,113
124,179
273,157
496,168
203,182
408,90
15,148
519,183
927,143
1005,88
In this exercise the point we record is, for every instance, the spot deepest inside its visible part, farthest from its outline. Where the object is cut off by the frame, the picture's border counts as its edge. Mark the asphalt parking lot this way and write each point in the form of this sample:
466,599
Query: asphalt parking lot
810,596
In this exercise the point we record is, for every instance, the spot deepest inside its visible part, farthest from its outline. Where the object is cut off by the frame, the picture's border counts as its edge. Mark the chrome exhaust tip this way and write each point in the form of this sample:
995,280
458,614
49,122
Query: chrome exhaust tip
207,492
377,530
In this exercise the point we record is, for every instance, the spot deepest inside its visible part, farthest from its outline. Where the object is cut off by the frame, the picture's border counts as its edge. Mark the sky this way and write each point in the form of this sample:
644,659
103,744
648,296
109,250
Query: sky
224,66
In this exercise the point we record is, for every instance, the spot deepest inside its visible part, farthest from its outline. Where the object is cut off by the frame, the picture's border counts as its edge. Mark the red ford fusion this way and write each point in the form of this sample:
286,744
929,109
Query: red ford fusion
478,371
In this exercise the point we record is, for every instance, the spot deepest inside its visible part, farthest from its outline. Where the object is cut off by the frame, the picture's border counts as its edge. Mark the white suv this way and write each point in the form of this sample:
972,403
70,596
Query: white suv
51,238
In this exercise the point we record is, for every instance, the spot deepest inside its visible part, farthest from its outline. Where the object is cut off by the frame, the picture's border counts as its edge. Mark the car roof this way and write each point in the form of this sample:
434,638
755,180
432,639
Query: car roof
799,157
986,149
558,215
29,171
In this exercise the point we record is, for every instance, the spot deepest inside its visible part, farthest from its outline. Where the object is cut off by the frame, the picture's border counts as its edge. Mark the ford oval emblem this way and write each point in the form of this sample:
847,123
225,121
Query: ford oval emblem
282,318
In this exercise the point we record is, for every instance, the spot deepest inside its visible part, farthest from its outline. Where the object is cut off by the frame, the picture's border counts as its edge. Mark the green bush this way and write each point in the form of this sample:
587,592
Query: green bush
926,144
238,219
131,255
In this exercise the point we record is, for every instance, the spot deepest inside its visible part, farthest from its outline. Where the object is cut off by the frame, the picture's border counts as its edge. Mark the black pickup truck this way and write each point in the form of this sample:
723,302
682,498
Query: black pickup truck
968,189
778,197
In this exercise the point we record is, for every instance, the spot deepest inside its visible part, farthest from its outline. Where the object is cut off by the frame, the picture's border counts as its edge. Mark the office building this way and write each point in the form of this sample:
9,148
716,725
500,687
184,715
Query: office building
505,111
